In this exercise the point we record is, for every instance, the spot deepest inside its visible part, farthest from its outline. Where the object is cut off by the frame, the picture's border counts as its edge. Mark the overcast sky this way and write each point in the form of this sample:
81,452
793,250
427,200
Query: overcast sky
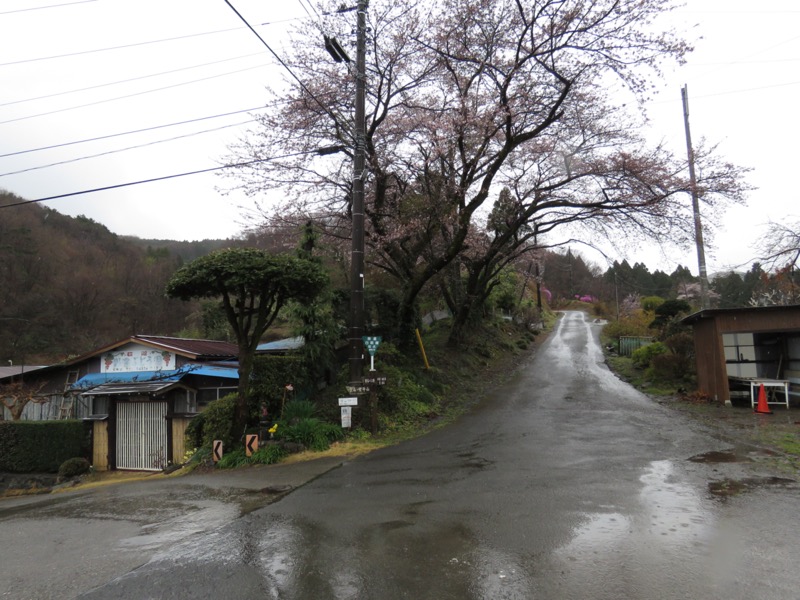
74,70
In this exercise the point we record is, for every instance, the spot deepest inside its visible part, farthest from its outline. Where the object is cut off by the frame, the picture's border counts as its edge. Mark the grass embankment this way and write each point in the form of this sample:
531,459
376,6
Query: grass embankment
457,377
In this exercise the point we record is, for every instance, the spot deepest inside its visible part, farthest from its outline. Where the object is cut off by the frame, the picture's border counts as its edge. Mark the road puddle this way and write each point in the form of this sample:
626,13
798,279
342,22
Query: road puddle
715,457
726,488
626,550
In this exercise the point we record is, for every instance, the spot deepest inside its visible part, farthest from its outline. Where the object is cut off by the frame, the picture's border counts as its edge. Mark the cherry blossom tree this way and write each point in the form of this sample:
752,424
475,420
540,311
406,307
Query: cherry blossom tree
466,97
779,246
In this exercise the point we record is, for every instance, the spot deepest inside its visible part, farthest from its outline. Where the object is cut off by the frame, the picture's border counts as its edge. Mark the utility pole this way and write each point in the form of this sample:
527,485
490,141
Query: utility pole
698,226
357,256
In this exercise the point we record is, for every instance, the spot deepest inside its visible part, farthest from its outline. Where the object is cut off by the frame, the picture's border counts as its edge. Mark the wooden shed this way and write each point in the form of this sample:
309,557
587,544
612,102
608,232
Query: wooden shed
738,349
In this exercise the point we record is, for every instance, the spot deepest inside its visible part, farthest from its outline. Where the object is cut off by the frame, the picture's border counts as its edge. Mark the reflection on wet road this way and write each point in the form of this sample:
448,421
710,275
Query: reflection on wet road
565,483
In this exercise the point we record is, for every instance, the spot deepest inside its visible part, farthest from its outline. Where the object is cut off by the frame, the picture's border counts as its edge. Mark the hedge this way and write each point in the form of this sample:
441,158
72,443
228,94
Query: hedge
41,446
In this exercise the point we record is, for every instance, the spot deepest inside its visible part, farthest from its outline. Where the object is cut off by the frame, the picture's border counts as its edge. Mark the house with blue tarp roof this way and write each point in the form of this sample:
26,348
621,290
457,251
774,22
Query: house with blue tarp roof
139,394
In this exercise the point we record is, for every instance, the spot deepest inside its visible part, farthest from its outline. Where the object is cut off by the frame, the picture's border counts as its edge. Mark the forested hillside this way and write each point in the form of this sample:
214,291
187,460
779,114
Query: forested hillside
68,285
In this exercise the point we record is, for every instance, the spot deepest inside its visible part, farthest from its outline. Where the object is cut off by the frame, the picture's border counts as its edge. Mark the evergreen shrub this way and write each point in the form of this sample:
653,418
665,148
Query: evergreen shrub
41,446
643,356
217,423
72,467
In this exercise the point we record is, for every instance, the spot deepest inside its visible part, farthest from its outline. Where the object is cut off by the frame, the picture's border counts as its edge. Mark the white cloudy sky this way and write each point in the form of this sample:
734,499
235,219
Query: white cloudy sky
73,70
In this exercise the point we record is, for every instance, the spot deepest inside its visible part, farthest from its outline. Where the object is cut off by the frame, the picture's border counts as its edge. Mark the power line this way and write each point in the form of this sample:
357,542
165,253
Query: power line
153,179
115,151
303,3
82,52
19,10
60,110
113,135
101,85
283,64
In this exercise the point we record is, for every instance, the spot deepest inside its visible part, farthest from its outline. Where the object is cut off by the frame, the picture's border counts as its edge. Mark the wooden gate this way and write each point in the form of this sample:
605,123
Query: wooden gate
142,435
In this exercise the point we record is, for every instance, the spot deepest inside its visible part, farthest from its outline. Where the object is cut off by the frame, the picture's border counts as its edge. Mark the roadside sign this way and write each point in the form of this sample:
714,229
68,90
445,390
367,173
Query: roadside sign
251,444
374,379
347,413
372,342
216,450
348,401
357,389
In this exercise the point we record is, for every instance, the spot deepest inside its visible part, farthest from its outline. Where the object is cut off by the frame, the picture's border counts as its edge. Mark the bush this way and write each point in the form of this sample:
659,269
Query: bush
297,410
681,344
312,433
72,467
406,399
217,423
643,357
194,431
669,367
41,446
271,375
268,455
634,325
233,459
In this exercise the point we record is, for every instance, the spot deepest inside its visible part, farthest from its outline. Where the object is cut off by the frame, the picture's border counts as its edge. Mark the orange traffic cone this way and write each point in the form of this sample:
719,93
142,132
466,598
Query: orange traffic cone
762,406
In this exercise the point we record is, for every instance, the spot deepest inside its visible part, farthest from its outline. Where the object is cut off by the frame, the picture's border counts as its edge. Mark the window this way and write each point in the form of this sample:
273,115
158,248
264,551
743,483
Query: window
206,395
99,405
186,403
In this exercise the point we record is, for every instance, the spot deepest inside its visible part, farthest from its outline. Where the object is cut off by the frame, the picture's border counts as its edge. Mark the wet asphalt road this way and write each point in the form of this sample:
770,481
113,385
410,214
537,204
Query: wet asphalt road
566,484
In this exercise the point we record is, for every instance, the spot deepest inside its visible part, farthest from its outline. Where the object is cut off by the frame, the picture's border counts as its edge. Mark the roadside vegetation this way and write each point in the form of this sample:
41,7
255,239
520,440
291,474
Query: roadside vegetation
649,348
664,368
414,400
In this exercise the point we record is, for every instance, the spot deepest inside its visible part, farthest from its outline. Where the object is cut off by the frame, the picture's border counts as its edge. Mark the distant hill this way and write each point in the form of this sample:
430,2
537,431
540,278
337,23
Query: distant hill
68,284
186,251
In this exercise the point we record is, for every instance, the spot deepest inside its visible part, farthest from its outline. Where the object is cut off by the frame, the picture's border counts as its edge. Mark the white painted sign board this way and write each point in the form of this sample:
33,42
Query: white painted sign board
347,413
348,401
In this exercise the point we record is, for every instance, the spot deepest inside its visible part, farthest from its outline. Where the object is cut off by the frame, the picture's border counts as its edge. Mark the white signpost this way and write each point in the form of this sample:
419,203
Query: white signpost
372,342
348,401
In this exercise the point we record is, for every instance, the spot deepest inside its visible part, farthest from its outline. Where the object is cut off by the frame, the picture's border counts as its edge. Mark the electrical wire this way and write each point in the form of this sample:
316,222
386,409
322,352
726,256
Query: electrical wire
153,179
303,3
19,10
113,135
115,151
110,83
82,52
142,93
285,66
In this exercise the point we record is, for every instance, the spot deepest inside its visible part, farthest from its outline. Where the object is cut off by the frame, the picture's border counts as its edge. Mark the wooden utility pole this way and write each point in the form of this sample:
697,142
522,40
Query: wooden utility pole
698,226
359,172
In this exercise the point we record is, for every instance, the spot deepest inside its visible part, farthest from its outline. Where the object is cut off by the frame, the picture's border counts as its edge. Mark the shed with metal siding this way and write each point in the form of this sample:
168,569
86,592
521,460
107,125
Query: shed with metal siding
781,323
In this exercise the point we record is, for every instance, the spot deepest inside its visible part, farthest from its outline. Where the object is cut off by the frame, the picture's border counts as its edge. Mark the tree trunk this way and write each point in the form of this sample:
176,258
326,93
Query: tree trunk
241,414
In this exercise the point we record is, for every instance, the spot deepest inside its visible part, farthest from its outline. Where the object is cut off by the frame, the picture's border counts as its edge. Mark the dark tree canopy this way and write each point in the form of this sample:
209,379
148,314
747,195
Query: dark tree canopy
252,287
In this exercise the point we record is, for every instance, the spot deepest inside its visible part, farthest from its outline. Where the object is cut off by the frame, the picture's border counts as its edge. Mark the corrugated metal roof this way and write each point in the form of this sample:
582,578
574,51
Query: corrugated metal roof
194,349
142,387
282,345
213,371
205,348
711,312
16,371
